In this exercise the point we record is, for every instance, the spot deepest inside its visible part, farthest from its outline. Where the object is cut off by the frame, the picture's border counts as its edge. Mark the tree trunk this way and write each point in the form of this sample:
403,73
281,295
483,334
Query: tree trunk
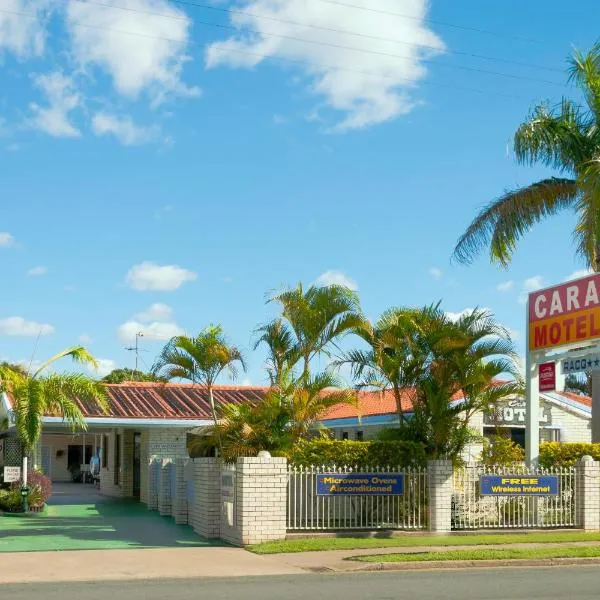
214,416
398,398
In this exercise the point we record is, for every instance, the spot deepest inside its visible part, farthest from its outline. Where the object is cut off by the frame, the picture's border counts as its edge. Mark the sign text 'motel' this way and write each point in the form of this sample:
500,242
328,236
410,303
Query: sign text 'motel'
518,485
360,484
565,314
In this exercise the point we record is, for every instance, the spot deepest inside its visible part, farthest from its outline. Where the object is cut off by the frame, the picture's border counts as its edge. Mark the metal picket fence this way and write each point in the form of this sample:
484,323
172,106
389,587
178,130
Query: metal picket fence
308,511
471,510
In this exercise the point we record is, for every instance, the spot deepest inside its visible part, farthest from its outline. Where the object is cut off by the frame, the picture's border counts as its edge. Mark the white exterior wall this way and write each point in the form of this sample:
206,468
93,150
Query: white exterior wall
57,443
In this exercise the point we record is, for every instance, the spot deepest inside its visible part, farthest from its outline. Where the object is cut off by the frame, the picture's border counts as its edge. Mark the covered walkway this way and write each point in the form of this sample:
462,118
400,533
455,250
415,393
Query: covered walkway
79,518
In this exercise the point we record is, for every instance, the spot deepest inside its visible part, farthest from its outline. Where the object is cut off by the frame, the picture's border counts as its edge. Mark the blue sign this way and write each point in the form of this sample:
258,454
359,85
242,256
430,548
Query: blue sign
518,485
360,484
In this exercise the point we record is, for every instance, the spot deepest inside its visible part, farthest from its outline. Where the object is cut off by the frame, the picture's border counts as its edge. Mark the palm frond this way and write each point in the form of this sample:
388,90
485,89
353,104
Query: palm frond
503,222
79,354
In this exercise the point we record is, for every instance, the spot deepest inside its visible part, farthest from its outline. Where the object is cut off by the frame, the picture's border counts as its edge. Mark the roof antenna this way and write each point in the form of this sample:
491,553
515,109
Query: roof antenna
136,349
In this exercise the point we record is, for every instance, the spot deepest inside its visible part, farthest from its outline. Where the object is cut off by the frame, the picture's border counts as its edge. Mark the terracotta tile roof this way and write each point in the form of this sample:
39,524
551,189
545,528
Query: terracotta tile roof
586,400
373,403
149,400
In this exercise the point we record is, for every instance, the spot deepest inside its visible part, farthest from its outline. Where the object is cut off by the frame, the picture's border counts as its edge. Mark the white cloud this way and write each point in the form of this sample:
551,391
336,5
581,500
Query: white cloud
18,326
23,36
163,211
156,312
505,286
435,273
366,84
148,59
579,274
158,330
455,316
62,98
84,338
105,366
514,334
247,381
124,129
37,271
6,239
336,278
531,285
150,276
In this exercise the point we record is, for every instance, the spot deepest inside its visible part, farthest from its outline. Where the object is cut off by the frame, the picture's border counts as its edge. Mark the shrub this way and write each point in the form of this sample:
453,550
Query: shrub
502,451
10,500
554,454
40,489
363,454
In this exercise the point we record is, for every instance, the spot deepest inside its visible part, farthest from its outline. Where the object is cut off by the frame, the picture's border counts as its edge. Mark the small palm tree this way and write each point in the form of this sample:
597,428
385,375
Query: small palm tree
568,139
317,317
50,394
201,359
395,359
288,413
279,339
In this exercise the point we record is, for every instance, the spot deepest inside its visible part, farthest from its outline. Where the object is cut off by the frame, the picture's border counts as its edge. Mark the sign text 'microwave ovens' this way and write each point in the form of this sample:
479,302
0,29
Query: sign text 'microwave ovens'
360,484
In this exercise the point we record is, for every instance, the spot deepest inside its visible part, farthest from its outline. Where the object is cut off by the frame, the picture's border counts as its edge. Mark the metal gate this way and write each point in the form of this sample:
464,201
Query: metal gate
308,511
471,510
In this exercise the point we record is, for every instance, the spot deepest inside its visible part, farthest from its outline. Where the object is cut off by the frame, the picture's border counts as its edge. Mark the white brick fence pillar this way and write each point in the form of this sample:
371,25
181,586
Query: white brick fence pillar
179,508
440,488
206,510
153,484
588,494
164,496
260,501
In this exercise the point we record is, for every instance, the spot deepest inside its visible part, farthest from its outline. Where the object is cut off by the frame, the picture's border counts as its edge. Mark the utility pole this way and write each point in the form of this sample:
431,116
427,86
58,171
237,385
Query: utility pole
136,349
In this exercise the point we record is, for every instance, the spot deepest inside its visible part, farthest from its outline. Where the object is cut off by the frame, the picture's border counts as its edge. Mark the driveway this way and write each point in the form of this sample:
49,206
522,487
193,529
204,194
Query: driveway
78,518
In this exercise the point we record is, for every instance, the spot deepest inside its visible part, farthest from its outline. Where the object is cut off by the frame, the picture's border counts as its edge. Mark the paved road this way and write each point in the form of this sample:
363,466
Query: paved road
574,583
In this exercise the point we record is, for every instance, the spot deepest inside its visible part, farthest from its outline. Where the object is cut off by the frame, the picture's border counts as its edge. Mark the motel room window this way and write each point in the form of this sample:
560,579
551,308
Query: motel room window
105,452
360,436
117,456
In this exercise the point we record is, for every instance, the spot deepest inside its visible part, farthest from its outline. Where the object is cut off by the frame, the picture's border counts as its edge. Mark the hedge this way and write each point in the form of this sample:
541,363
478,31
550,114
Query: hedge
371,454
554,454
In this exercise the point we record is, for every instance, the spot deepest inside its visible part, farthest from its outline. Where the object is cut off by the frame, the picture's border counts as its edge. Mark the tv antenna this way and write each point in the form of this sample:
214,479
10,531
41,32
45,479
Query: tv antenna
136,349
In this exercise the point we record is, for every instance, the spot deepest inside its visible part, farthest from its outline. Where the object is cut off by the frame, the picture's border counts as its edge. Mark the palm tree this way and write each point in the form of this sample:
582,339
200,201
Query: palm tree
41,394
567,138
395,359
201,359
281,344
470,362
288,413
317,318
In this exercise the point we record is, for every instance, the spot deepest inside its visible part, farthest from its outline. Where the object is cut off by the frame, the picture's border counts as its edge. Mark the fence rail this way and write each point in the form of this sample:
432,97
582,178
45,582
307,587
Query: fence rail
306,510
471,510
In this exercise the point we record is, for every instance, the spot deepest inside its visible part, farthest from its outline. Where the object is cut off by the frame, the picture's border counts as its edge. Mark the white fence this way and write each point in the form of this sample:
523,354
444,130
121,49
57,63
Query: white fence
306,510
471,510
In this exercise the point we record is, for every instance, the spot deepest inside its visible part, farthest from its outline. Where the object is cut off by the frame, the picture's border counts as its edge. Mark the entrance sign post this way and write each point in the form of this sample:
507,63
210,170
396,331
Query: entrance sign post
563,318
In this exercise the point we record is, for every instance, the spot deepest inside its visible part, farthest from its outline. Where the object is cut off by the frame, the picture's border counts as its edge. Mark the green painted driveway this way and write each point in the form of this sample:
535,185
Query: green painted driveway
88,521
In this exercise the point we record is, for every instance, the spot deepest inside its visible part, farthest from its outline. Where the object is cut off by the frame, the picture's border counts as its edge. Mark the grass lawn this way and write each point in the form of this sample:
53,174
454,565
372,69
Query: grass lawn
486,554
348,543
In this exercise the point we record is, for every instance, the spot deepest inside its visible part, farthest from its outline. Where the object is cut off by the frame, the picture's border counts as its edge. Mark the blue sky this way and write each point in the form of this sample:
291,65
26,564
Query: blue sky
160,173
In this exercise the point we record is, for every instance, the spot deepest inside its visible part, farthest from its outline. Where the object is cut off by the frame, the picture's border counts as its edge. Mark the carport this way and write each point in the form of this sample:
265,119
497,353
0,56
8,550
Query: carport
79,518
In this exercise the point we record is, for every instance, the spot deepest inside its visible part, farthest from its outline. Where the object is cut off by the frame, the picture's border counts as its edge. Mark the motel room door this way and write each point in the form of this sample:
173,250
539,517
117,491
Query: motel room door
137,446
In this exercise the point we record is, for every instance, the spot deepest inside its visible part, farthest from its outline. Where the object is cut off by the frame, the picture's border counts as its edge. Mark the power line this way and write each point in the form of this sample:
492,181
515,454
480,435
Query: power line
433,21
317,27
289,60
323,43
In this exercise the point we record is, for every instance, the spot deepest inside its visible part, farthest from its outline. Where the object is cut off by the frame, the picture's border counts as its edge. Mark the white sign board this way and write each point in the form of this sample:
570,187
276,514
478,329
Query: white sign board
581,364
165,447
12,474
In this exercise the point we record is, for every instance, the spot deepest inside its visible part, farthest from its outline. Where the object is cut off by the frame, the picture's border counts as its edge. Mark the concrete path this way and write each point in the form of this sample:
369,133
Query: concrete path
78,518
119,565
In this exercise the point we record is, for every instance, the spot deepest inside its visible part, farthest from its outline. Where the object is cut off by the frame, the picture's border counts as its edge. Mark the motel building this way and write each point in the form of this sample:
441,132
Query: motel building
564,417
146,421
149,421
